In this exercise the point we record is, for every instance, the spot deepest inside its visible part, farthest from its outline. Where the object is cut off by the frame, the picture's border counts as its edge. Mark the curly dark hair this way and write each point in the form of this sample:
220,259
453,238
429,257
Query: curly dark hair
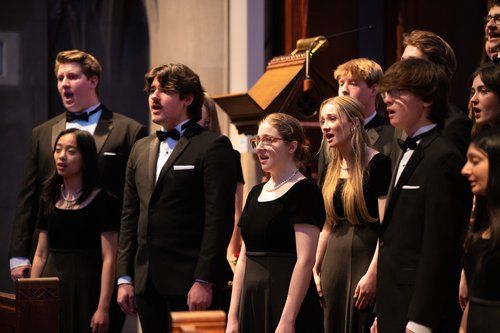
180,79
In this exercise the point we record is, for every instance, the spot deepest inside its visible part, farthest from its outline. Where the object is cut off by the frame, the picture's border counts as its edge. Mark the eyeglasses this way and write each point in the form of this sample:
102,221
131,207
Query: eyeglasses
393,93
266,140
496,19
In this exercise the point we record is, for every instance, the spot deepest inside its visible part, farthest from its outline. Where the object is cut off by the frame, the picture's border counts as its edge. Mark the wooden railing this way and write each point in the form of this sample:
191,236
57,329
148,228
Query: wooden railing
34,308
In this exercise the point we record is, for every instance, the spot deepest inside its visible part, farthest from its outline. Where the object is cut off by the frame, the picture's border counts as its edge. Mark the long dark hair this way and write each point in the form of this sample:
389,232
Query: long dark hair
487,214
490,75
90,173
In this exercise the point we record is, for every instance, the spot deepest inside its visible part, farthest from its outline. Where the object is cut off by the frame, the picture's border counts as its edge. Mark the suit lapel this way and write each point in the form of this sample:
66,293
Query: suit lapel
394,191
393,178
103,128
192,128
154,147
415,159
56,129
179,148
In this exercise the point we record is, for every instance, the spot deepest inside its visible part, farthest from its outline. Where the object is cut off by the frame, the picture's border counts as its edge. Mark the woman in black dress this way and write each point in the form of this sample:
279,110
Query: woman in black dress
482,243
280,225
78,235
354,192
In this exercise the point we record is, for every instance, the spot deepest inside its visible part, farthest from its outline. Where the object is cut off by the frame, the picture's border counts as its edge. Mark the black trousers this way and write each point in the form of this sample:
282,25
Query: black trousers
154,309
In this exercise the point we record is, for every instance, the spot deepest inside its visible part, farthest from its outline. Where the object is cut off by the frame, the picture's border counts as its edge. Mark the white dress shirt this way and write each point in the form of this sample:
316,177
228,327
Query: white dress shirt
90,125
409,152
369,118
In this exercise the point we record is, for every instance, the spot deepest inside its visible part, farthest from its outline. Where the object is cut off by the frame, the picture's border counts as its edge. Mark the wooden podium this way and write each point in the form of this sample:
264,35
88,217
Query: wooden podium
34,308
280,89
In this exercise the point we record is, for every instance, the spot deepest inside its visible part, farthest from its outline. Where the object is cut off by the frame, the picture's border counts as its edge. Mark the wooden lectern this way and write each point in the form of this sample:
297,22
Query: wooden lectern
280,89
34,308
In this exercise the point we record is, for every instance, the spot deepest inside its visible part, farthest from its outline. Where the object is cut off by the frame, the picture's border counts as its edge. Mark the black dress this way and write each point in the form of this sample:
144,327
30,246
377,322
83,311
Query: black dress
482,270
349,251
75,257
268,231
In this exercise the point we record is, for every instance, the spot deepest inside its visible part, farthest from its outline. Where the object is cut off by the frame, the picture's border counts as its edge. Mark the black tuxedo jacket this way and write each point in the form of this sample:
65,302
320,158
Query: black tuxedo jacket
115,135
177,229
380,134
457,128
421,240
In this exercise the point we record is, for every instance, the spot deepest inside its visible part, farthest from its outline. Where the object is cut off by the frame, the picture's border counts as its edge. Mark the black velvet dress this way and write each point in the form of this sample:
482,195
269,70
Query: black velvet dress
75,257
482,270
268,231
348,254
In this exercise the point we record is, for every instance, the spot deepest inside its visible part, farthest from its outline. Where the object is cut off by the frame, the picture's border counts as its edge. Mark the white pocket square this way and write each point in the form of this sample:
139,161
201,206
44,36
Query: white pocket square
410,187
109,153
183,167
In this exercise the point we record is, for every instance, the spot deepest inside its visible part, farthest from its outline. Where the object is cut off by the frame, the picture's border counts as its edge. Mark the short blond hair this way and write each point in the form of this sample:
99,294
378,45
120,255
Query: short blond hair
89,64
363,68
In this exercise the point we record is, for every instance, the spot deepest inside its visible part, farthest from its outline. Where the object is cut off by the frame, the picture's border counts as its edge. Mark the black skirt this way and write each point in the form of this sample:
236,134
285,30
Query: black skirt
264,293
484,316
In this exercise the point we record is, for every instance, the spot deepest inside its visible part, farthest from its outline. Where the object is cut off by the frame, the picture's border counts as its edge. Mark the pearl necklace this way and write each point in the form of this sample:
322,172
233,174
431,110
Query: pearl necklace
70,202
280,184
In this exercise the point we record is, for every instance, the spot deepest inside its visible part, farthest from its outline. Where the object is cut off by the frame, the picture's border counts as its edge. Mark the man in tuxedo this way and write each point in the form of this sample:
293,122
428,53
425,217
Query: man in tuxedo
427,210
78,74
178,206
429,46
492,30
359,79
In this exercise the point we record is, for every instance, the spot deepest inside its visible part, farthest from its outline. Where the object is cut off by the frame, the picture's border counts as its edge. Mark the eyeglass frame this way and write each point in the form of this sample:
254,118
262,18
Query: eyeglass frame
395,93
256,140
496,19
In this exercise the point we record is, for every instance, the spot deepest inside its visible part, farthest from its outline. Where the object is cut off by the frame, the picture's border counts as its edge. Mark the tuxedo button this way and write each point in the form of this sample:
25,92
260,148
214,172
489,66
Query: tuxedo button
381,243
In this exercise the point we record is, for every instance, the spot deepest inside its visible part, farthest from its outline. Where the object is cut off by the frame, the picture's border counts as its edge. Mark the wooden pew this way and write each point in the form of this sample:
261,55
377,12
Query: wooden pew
198,322
34,308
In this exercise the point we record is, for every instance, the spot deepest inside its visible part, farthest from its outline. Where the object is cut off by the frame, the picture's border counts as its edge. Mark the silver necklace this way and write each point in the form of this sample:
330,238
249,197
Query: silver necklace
282,183
70,202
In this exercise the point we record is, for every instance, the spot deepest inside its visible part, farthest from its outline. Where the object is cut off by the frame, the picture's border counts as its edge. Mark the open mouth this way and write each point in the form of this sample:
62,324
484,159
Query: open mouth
263,158
493,34
477,112
68,95
156,106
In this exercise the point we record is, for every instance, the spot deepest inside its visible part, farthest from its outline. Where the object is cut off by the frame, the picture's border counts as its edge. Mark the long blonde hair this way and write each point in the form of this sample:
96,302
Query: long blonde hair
352,192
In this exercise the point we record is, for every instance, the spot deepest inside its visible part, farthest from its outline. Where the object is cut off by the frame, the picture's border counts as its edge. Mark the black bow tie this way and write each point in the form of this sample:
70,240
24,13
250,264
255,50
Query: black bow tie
164,135
410,143
70,116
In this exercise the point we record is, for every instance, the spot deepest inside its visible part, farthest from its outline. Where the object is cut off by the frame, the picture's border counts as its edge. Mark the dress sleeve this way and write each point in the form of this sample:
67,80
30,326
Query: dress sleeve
308,206
111,212
380,174
250,195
